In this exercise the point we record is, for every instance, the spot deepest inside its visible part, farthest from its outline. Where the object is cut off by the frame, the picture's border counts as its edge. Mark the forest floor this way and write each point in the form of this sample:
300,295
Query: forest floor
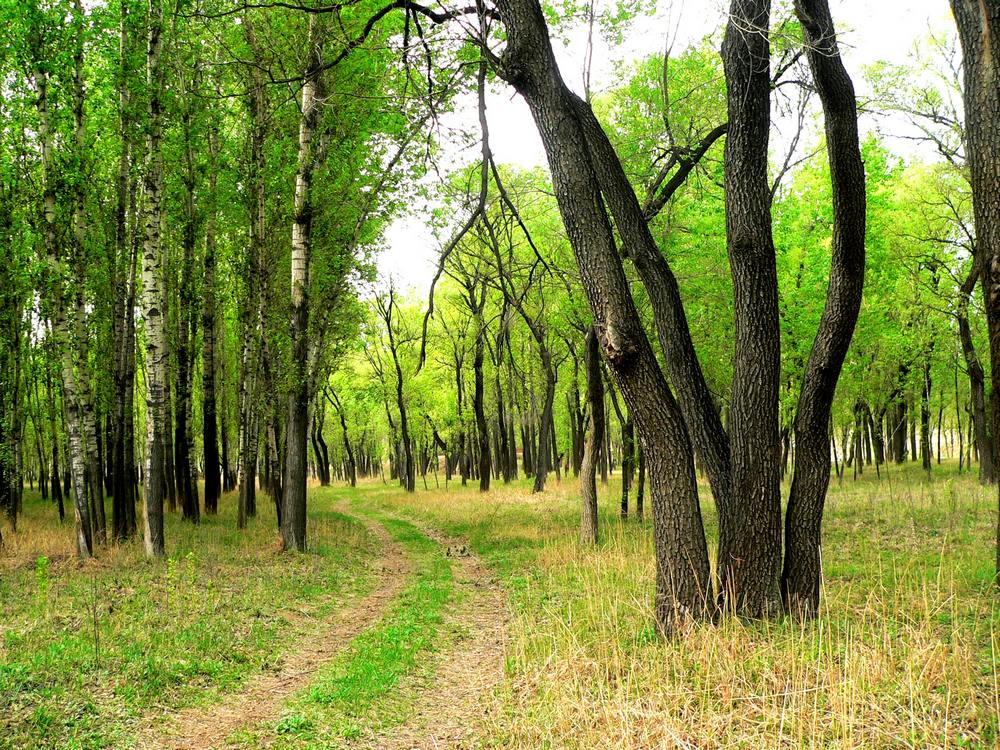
443,619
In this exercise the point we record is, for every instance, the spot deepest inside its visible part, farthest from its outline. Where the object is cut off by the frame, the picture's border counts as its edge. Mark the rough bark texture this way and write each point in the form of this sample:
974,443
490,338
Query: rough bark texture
686,376
683,584
750,556
979,33
801,576
593,440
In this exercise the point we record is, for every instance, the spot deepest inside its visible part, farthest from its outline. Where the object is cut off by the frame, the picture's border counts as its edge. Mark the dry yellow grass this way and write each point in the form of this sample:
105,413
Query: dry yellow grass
905,653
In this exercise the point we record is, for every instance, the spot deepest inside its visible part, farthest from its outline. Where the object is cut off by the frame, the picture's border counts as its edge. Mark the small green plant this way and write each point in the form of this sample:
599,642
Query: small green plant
42,577
293,724
171,579
191,568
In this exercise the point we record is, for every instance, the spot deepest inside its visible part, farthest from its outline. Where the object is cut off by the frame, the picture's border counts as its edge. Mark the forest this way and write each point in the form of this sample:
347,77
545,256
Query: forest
330,417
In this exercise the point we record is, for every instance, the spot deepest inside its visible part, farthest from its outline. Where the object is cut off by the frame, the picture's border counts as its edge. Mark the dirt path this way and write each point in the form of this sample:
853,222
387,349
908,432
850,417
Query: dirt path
451,709
207,727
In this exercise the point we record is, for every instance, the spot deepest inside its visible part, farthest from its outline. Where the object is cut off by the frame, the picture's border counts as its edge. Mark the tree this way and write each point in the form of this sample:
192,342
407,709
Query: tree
293,528
152,294
976,22
593,441
801,576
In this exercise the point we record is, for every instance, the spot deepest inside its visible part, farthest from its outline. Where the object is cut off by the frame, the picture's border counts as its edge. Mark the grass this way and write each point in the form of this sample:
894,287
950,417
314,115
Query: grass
905,654
88,649
367,686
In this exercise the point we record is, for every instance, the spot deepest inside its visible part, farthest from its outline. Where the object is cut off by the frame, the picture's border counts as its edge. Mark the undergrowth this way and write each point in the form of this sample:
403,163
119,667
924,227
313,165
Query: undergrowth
88,649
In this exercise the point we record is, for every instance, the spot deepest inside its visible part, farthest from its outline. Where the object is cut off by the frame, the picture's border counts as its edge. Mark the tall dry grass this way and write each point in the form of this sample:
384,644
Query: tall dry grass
905,653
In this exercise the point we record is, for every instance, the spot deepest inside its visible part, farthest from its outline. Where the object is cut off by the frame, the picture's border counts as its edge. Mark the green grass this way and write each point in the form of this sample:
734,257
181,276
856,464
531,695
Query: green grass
367,686
87,649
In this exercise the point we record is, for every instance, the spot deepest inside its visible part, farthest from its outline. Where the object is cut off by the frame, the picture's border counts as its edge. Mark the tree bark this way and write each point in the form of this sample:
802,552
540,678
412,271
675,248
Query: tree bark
977,378
61,330
801,574
979,33
152,297
593,441
750,552
475,290
293,528
683,583
209,423
184,470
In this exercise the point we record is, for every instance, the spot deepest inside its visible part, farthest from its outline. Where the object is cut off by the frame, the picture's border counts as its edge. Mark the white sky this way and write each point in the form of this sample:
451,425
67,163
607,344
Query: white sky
869,31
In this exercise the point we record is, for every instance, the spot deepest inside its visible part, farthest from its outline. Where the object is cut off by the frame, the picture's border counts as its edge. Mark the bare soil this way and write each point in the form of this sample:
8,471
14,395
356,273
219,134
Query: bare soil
208,727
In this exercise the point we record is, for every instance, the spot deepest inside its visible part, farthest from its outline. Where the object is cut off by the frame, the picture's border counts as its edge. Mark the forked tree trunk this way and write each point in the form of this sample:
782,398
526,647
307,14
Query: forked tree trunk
683,583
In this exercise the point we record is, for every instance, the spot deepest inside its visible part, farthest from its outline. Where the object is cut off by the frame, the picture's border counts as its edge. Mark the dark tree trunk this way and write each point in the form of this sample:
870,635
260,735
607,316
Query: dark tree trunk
407,468
210,430
593,441
683,583
640,486
898,432
352,475
503,438
57,488
750,540
187,485
250,323
477,301
977,378
800,580
925,418
543,456
628,462
979,32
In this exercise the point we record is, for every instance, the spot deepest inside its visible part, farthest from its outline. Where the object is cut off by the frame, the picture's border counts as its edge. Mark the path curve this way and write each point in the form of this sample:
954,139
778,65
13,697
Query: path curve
261,700
450,712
